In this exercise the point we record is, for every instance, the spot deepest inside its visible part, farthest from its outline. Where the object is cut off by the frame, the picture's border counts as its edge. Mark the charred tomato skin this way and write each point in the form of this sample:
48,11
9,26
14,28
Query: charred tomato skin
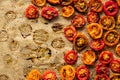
102,76
111,8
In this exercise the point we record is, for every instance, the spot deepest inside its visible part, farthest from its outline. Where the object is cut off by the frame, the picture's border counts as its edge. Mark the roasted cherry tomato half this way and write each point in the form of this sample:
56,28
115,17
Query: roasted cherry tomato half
49,12
70,57
102,69
105,57
34,75
118,20
54,2
67,72
39,2
66,2
32,12
80,41
88,57
102,77
118,49
115,65
111,8
118,2
78,21
115,77
111,38
70,32
49,75
97,44
93,17
82,73
107,22
96,5
81,5
67,11
95,30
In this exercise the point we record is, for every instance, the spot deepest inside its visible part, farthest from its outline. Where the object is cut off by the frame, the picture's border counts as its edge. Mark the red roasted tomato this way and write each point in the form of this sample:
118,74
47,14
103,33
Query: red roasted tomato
66,2
81,5
102,69
97,44
105,57
115,65
110,8
92,17
96,5
49,12
78,21
102,77
49,75
39,2
70,57
70,32
54,2
82,73
32,12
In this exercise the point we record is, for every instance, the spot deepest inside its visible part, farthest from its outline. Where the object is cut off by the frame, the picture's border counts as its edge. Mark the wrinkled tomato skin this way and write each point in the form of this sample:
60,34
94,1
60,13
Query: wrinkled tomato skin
66,2
49,12
39,3
93,44
114,5
102,77
53,2
32,12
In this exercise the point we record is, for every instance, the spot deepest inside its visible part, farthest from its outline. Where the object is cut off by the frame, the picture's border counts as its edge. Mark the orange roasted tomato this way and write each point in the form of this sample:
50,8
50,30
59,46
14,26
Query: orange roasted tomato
67,72
81,5
115,77
78,21
82,73
34,75
70,32
118,2
80,41
107,22
115,65
88,57
105,57
118,49
70,57
66,2
39,2
67,11
111,38
49,75
32,12
102,77
95,30
54,2
96,5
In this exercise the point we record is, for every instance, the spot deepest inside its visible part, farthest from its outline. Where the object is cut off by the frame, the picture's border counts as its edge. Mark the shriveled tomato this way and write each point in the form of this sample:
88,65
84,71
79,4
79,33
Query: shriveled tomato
96,5
82,73
118,2
32,12
67,11
110,8
88,57
118,20
67,72
49,12
49,75
66,2
93,17
78,21
97,44
70,32
118,49
54,2
39,2
70,57
81,5
102,77
105,57
95,30
115,65
115,77
102,69
111,38
80,41
107,22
